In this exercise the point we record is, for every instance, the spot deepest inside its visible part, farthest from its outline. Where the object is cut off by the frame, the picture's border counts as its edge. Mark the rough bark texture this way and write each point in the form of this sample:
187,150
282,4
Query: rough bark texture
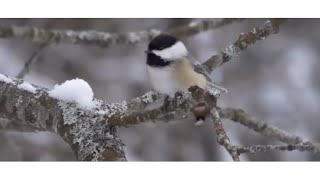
222,137
87,133
266,148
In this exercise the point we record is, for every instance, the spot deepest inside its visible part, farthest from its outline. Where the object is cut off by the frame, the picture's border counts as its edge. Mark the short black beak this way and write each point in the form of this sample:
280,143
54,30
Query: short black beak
147,51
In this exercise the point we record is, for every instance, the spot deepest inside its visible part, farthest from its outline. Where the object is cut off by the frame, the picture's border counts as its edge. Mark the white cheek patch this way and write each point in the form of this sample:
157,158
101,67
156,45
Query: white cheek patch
176,51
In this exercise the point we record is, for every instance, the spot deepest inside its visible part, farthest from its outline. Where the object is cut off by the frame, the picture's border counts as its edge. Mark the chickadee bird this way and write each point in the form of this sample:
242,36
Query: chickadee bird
171,68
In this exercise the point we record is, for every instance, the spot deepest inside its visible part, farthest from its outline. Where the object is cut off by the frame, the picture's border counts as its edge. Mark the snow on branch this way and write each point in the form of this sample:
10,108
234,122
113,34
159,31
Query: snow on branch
106,39
85,130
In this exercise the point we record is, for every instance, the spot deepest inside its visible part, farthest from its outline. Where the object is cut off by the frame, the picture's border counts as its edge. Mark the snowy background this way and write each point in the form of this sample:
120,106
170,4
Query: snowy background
276,80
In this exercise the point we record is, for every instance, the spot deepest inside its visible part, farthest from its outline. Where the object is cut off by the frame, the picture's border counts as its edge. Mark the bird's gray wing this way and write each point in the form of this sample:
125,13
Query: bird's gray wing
200,69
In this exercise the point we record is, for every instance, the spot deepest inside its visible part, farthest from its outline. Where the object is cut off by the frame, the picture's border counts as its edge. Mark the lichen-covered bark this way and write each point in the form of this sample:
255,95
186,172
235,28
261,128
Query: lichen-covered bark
179,108
91,133
243,42
266,148
87,132
222,137
240,116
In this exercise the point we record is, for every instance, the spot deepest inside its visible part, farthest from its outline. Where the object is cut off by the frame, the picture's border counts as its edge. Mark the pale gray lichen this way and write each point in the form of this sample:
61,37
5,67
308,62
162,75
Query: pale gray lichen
117,108
148,97
184,96
89,130
215,92
134,37
232,51
92,34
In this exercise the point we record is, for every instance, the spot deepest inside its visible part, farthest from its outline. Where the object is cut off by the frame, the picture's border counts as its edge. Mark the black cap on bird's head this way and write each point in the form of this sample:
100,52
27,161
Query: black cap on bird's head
162,41
164,49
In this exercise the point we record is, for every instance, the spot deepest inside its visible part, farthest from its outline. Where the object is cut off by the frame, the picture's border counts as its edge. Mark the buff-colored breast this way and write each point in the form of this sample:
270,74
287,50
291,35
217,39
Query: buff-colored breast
186,77
179,76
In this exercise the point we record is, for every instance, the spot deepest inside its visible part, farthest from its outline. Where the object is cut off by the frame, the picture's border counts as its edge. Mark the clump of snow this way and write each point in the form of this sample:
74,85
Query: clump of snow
75,90
28,87
5,79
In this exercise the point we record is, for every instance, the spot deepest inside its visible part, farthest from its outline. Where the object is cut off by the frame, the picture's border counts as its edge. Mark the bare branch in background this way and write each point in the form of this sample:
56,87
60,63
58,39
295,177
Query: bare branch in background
222,137
266,148
243,42
106,39
199,26
30,61
270,131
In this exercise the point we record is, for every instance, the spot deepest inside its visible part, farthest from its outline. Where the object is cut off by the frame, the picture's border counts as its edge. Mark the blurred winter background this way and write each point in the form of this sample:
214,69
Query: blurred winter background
276,80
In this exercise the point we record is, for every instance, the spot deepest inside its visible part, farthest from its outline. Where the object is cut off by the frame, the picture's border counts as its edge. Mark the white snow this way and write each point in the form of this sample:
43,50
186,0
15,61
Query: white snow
176,51
28,87
75,90
5,79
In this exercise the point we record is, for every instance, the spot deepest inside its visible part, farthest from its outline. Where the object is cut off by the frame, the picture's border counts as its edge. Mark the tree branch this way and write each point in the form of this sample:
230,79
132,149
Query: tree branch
86,132
261,127
242,43
222,137
91,134
266,148
106,39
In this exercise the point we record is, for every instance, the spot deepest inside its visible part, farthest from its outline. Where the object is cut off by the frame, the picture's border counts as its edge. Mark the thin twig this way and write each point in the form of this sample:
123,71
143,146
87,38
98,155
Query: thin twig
222,137
30,61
